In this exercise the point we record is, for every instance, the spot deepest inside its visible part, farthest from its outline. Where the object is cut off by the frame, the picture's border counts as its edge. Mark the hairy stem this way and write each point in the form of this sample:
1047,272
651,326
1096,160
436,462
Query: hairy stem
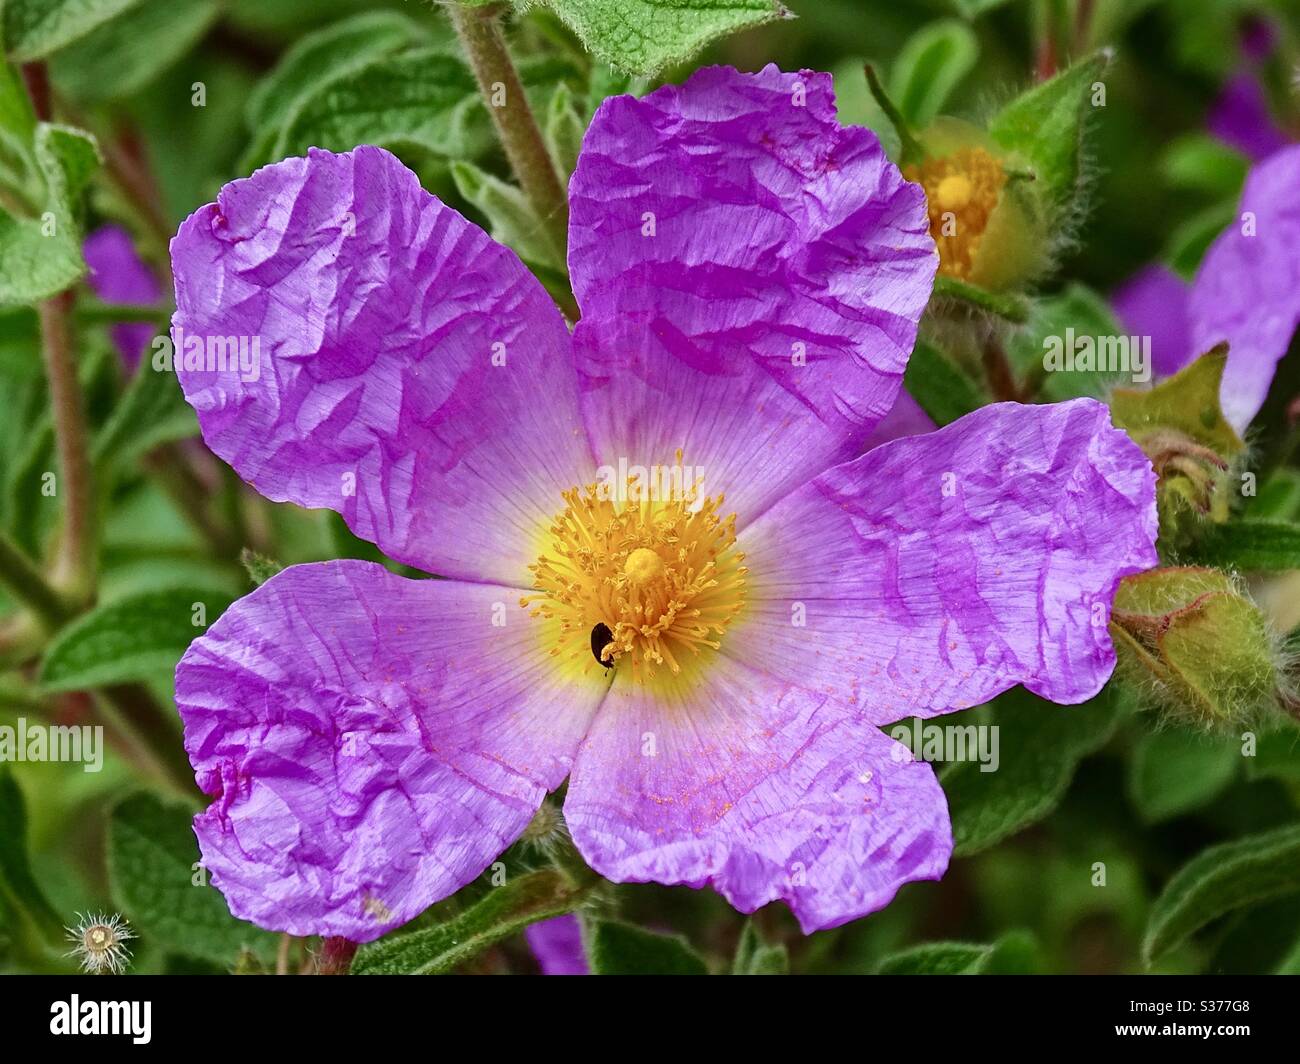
479,30
78,558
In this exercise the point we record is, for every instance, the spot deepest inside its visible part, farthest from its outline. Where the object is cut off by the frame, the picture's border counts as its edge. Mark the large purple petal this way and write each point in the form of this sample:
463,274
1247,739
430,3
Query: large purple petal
1247,290
722,776
937,571
371,743
119,275
413,375
763,326
1154,302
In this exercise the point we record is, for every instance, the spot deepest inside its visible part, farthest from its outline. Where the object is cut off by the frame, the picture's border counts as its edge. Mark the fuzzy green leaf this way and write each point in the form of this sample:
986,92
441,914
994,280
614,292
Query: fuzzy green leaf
133,638
1249,544
940,388
156,878
426,99
622,949
19,887
504,911
35,28
1176,771
644,36
754,957
1222,879
1039,747
125,54
1045,127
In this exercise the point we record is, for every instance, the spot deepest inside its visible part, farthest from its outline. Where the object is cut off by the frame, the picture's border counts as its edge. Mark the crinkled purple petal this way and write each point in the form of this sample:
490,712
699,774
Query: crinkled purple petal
936,571
905,418
371,743
1154,302
413,375
119,275
723,776
557,945
1243,119
1247,290
765,324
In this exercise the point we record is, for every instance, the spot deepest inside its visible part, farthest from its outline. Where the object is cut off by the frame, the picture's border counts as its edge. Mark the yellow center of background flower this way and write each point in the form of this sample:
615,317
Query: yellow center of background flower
658,569
961,191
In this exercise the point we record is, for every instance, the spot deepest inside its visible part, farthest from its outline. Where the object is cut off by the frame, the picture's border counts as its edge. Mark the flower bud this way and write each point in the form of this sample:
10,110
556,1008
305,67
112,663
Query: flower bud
1197,644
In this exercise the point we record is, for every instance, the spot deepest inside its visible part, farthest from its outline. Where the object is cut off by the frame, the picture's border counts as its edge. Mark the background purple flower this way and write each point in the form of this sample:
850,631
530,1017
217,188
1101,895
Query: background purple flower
119,275
1246,291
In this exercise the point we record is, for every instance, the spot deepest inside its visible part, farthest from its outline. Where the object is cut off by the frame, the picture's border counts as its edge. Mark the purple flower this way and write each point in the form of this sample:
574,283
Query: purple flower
1241,118
1246,291
711,679
118,275
557,945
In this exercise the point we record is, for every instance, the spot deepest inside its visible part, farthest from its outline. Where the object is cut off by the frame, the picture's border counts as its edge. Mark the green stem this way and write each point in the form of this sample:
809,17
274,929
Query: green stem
1012,308
24,582
479,30
78,558
92,312
912,151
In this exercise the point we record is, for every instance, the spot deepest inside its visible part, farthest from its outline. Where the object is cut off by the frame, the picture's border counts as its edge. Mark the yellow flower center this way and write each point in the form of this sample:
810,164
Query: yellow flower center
638,575
961,191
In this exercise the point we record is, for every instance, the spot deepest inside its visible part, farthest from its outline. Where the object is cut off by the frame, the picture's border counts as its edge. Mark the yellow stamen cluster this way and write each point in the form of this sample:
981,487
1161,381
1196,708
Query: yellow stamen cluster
961,191
662,574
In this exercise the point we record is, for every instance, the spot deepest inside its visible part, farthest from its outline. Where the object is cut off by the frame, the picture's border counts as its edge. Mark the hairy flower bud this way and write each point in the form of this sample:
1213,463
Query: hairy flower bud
1203,649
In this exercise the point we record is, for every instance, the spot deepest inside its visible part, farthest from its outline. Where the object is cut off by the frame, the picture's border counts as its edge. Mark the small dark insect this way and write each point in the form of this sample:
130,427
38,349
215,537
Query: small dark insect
601,637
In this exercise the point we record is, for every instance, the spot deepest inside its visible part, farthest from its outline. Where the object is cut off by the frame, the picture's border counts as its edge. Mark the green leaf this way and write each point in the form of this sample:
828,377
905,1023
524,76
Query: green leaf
1175,771
940,388
1197,162
35,28
1250,544
622,949
644,36
131,639
565,128
972,9
754,957
41,257
315,60
426,99
125,54
1187,402
1039,747
1076,308
1279,496
34,266
322,56
156,878
1045,127
504,911
931,64
152,411
510,217
1222,879
17,884
1014,953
